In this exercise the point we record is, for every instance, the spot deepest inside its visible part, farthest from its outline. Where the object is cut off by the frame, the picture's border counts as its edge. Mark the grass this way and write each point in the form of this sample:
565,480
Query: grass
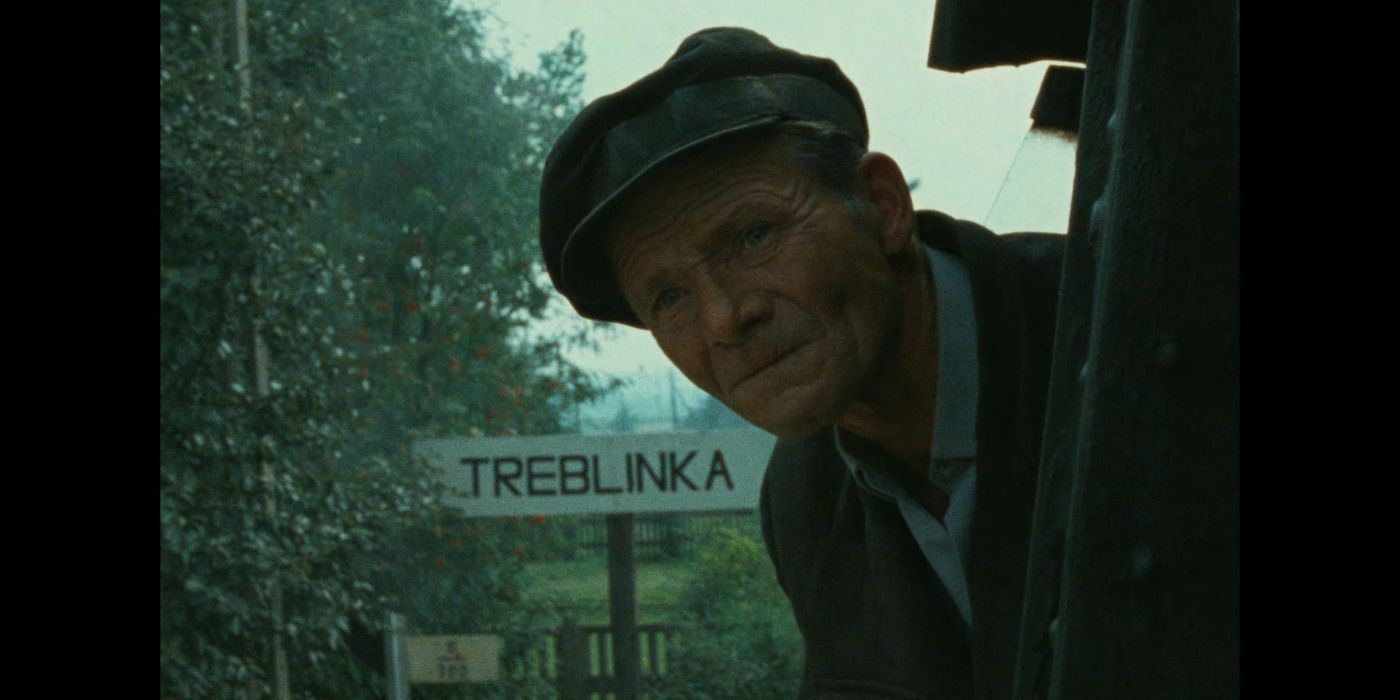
580,588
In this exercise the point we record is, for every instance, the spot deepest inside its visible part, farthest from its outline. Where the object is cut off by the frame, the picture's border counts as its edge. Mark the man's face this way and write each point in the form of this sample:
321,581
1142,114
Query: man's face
758,284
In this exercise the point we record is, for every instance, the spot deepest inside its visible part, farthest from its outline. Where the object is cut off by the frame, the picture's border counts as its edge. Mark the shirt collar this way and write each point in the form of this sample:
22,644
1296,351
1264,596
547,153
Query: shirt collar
955,410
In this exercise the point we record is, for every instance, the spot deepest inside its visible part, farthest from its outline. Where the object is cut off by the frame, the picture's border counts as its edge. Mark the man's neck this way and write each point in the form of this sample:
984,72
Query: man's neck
898,410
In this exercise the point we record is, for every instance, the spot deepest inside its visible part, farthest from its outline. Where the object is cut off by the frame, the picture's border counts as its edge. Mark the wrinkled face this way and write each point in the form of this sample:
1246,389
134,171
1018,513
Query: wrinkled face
758,284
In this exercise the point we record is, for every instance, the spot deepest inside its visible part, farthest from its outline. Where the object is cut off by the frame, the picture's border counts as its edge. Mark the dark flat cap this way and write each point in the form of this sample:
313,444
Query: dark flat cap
720,83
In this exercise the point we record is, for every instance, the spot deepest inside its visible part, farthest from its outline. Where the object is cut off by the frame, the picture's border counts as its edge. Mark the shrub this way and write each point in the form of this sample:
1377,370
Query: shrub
737,637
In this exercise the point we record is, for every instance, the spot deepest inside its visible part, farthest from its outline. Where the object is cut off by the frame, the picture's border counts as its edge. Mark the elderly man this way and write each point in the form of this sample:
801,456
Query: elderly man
727,203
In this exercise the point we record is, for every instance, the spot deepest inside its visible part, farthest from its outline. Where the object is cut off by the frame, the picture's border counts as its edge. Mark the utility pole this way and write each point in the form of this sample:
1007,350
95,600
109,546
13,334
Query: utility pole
281,685
671,376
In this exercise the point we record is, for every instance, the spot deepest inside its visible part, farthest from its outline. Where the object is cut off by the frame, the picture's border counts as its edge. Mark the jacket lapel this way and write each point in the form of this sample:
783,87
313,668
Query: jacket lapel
1008,434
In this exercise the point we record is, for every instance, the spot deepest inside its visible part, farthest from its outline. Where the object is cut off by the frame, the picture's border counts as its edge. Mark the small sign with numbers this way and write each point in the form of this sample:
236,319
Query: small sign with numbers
453,658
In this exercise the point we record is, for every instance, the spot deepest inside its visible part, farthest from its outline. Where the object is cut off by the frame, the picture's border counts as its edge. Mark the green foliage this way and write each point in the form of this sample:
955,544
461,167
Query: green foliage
347,264
555,538
737,637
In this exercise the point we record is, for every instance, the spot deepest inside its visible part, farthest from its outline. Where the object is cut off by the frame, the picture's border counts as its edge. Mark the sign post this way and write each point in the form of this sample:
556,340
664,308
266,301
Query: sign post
622,605
613,475
394,671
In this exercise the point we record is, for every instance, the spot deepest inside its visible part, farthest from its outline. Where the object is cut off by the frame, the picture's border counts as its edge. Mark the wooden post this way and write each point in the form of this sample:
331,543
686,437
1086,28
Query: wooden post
622,603
395,668
573,661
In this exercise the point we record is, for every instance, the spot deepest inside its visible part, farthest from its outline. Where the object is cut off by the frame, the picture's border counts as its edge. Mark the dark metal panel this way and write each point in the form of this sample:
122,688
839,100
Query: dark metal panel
1057,103
970,34
1133,584
1068,372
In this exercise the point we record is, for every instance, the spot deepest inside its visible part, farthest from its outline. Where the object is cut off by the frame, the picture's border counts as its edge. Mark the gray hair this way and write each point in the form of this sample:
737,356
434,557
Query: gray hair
827,153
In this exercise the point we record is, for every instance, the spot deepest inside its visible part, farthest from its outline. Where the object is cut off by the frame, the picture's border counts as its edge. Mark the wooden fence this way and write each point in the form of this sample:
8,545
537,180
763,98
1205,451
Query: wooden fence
665,535
585,668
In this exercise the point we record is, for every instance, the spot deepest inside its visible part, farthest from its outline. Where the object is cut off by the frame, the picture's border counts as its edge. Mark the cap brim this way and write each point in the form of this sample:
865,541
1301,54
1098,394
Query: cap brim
585,272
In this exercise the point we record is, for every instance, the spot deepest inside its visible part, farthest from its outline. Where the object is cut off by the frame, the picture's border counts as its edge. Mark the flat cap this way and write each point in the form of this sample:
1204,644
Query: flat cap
720,83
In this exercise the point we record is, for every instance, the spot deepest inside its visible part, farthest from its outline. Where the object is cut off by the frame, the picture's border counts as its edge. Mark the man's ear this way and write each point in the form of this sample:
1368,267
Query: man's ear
885,197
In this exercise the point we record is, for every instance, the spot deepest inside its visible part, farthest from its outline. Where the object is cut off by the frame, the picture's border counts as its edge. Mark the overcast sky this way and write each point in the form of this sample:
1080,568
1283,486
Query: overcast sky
957,134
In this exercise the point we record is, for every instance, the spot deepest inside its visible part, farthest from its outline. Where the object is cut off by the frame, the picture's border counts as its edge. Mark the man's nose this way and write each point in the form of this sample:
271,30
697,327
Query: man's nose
729,311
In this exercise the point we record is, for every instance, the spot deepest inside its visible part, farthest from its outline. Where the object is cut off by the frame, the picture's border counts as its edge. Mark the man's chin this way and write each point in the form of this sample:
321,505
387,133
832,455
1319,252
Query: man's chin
789,432
790,424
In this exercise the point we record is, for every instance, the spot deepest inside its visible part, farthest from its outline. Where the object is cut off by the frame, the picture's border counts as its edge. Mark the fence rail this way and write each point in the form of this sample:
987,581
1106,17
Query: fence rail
662,535
585,660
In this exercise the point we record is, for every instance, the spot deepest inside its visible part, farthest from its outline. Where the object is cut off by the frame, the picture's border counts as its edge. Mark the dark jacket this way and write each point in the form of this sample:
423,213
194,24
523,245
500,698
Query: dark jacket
875,619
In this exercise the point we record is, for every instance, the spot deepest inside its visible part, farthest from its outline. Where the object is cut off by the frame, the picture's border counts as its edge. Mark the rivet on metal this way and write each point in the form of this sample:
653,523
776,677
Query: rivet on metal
1141,563
1167,355
1098,219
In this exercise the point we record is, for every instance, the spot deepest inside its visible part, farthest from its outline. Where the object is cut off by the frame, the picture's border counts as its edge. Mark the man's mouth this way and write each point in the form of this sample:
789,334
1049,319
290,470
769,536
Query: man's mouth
761,367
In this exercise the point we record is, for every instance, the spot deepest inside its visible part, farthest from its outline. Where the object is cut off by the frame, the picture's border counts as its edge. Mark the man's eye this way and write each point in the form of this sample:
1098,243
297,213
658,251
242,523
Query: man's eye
755,235
667,299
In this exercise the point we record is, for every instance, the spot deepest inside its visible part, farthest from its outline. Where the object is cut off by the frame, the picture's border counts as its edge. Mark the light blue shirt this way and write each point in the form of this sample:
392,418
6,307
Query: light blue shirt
953,457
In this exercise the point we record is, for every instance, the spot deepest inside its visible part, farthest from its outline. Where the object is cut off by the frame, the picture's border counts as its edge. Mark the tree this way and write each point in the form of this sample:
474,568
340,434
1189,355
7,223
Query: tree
368,221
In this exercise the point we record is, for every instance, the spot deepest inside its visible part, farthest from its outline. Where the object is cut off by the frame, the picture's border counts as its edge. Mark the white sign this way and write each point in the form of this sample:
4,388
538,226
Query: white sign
634,473
453,658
